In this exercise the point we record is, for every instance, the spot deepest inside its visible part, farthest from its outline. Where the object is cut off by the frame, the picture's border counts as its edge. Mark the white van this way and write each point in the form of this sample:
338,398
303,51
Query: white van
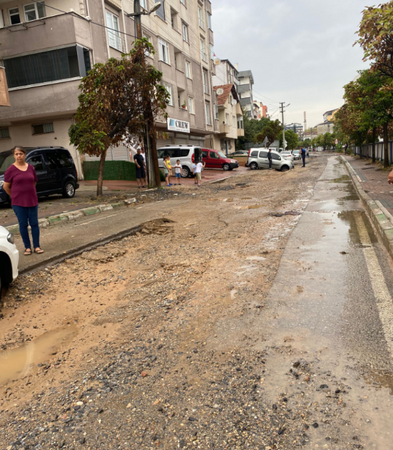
186,153
257,159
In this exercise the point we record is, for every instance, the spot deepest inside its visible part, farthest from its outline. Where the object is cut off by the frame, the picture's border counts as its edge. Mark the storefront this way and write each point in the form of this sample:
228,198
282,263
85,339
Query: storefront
178,132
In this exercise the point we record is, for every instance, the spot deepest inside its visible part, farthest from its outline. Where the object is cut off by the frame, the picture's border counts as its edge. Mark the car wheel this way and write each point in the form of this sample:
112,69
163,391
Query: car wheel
253,166
69,189
185,172
284,168
226,167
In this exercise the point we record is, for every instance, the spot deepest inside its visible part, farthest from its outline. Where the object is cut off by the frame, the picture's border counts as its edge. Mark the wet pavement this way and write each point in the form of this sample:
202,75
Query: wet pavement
332,301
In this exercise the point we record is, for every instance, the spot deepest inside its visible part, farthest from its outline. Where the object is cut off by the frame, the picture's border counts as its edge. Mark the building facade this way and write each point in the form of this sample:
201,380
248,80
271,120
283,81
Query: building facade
295,127
48,47
226,73
230,118
246,82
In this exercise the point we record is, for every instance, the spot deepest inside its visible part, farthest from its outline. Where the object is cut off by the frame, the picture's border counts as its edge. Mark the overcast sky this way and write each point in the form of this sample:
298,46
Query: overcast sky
299,51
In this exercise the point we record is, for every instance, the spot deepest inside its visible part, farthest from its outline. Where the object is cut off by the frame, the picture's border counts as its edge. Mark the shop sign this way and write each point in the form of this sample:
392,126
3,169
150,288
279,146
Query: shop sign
178,125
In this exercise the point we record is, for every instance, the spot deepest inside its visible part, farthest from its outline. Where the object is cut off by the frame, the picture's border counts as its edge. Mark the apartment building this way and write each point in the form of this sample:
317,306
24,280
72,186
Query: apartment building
226,73
246,82
230,118
47,47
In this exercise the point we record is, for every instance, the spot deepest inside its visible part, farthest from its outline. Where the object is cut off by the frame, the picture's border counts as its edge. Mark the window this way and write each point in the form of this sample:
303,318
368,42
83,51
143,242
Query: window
203,52
174,19
112,22
184,28
163,51
216,111
34,11
178,61
205,82
212,54
51,159
200,18
213,155
43,128
207,113
168,87
14,16
161,10
191,105
240,124
147,53
36,162
143,4
209,21
4,133
188,69
234,124
263,154
226,119
45,67
276,157
64,159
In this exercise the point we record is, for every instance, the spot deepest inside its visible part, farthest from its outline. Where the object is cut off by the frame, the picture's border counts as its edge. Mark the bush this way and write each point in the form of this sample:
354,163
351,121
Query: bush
113,170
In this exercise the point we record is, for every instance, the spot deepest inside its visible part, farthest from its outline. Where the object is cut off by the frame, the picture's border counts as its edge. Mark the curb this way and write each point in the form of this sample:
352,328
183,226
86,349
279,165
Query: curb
380,217
74,215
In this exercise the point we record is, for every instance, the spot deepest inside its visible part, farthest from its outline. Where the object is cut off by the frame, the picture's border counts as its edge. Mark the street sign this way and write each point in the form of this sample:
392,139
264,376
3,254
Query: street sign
178,125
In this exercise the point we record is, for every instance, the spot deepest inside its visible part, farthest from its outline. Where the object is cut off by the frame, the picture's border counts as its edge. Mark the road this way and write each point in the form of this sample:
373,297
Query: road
253,314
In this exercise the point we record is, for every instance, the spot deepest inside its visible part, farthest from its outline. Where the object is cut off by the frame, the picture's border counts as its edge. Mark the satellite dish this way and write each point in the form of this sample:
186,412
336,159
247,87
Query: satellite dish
220,91
217,61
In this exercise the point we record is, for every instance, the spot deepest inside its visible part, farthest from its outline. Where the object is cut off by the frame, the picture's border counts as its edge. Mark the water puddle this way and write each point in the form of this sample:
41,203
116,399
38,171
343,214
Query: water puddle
16,363
342,179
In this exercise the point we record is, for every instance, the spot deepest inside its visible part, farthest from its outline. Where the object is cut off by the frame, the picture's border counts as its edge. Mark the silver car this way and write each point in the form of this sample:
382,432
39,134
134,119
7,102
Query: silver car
257,159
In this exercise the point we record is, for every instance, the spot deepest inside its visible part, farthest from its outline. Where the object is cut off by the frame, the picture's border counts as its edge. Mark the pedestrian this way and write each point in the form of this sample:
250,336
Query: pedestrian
304,156
167,170
345,149
269,157
198,171
390,177
194,172
140,169
178,170
20,181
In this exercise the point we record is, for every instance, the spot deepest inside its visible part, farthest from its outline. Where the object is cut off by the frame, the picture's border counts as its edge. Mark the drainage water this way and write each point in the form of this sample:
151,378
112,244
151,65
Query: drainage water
16,363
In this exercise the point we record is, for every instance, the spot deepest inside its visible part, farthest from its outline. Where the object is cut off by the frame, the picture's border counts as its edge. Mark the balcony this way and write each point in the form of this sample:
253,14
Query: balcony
224,128
240,132
41,34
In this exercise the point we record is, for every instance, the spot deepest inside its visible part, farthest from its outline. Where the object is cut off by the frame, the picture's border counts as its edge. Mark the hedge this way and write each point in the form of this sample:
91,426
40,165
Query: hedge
113,170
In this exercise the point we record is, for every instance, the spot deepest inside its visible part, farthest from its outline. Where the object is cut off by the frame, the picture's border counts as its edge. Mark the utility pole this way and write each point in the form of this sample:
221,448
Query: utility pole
153,171
283,124
305,125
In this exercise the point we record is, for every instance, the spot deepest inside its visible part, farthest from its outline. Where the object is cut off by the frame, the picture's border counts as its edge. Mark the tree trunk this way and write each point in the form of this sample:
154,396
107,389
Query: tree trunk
374,138
101,173
385,145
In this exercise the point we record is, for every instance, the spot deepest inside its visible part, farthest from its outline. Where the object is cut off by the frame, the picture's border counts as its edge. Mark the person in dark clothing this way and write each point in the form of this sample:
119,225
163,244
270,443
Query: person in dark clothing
269,157
140,169
304,156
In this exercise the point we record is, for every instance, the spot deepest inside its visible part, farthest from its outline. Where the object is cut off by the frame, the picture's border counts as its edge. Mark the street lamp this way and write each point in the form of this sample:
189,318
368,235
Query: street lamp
151,150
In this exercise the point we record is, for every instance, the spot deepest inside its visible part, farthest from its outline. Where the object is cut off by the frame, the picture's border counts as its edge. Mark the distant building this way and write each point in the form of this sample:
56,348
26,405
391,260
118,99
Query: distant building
259,109
296,127
246,81
226,73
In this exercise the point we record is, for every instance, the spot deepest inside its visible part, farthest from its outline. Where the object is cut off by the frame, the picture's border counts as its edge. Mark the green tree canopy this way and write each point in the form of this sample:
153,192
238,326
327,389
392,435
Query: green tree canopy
270,132
291,140
113,103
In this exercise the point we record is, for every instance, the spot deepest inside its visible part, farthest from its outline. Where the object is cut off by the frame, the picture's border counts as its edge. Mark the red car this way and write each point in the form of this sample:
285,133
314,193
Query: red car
215,159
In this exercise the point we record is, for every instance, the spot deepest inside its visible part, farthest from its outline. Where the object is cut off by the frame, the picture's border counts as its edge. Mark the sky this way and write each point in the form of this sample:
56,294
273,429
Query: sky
300,51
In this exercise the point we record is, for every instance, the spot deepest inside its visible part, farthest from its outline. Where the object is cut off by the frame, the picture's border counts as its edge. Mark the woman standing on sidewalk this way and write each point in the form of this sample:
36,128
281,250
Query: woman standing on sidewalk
19,183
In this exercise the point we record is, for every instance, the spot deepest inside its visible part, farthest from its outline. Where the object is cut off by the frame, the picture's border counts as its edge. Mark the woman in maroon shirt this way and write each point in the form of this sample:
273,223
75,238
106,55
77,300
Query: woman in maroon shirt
19,183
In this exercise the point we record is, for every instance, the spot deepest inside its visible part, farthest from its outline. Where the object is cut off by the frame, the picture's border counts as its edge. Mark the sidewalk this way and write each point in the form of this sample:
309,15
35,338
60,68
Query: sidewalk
373,180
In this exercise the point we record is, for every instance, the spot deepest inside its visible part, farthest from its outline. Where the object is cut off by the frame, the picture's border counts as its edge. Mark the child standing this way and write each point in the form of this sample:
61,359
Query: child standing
167,170
177,167
199,167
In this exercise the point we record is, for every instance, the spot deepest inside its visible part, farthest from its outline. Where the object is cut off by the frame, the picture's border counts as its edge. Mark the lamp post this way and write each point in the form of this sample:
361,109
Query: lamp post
153,171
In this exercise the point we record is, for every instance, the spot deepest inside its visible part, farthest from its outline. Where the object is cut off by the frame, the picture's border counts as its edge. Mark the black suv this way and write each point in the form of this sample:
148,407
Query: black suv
55,170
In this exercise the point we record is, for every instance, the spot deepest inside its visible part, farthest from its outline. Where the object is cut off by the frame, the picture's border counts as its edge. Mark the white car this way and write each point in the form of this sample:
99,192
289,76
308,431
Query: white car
9,258
287,155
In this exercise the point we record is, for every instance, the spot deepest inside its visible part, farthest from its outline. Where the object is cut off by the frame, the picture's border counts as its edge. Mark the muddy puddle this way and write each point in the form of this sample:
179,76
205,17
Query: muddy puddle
16,363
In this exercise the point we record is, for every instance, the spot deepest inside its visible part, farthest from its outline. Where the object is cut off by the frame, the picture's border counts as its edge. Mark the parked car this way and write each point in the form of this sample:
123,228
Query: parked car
55,168
287,155
238,153
9,259
186,153
215,159
296,154
257,159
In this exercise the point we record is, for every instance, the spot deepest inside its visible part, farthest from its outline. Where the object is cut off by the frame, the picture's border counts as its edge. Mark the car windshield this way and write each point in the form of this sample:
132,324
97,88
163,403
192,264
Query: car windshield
6,160
222,155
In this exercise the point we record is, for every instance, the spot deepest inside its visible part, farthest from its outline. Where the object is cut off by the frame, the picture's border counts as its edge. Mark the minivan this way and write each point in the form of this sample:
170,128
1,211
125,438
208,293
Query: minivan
55,169
187,154
214,159
257,158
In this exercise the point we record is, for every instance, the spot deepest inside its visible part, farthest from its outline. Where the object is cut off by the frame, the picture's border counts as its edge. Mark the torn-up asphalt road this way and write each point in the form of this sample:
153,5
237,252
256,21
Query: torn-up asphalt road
203,331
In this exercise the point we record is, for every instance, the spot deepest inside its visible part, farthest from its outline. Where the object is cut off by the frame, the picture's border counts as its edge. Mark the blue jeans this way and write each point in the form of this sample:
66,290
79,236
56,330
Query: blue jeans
28,216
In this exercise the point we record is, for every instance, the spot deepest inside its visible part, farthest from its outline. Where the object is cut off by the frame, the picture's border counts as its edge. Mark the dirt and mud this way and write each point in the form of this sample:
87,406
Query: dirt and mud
148,342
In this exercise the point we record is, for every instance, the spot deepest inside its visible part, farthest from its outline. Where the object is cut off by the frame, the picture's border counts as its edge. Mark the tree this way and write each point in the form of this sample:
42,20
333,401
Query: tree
376,37
291,139
271,132
113,103
252,128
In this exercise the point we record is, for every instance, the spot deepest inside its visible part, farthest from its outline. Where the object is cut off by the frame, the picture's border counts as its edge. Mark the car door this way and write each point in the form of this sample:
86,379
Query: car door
42,174
276,160
205,157
53,169
214,160
263,160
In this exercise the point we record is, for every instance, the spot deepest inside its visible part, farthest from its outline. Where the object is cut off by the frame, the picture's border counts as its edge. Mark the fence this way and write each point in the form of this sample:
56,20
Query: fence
366,150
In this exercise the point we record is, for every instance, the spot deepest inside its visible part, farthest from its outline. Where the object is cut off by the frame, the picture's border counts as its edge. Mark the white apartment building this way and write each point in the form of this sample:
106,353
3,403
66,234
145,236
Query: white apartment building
246,81
48,47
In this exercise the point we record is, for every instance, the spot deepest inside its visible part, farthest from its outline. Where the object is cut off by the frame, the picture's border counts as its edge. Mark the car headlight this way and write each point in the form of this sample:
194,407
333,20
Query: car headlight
10,238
